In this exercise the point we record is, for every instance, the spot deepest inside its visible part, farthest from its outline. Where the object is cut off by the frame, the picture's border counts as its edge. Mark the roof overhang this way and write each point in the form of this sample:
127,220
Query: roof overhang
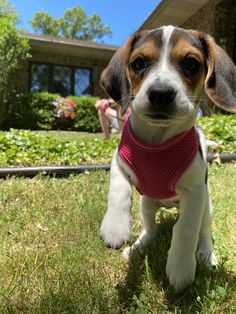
174,12
67,47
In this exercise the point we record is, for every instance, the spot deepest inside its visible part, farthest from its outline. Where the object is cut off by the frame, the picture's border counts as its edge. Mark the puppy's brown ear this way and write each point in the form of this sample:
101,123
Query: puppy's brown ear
220,83
115,78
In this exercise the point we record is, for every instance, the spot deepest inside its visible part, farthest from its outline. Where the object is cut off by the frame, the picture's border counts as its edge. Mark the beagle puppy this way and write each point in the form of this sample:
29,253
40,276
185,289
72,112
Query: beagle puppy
160,74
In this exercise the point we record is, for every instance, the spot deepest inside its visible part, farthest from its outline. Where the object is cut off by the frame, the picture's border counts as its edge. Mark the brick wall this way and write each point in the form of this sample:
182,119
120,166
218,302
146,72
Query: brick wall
204,19
225,23
216,18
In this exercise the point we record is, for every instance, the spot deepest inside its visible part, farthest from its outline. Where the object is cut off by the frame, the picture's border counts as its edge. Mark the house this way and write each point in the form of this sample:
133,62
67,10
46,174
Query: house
215,17
64,66
72,67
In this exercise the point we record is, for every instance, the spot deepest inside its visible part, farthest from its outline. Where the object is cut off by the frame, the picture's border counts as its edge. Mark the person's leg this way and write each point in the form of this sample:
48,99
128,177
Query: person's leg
104,123
115,127
121,119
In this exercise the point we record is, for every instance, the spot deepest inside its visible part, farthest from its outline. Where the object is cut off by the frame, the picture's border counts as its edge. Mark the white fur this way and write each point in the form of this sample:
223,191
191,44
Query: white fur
165,73
192,232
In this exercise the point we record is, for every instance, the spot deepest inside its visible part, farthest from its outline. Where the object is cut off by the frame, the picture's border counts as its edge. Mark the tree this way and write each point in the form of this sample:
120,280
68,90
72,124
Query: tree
13,50
45,23
8,11
74,25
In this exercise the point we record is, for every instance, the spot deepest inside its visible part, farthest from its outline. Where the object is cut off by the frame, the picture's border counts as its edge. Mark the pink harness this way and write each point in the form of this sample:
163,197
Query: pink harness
158,167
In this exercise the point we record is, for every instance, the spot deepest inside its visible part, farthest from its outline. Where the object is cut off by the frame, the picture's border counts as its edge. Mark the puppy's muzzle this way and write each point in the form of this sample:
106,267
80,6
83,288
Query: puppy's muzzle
161,98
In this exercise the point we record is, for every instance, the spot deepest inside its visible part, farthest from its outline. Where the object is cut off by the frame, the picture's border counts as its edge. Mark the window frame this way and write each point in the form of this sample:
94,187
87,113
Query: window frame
72,78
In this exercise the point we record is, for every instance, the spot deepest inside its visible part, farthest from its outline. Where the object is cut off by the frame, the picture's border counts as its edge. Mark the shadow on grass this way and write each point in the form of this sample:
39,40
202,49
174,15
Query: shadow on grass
154,259
132,285
208,286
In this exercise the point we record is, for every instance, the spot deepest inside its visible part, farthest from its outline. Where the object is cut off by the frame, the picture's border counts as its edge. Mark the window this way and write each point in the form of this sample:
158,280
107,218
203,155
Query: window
82,82
39,77
61,79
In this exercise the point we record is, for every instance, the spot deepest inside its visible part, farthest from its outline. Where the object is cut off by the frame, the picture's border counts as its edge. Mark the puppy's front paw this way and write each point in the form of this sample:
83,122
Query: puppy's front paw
134,251
127,252
180,271
115,230
208,258
205,253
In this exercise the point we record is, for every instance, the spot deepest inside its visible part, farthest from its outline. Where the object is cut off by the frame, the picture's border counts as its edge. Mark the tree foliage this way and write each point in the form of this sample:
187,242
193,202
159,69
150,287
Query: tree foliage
13,50
45,23
8,11
74,24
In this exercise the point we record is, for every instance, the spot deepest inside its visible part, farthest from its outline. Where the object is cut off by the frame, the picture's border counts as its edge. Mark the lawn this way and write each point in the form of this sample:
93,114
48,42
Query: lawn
52,260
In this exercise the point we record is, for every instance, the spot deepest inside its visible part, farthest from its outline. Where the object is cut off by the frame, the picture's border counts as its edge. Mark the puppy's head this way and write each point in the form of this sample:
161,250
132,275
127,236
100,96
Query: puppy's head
161,72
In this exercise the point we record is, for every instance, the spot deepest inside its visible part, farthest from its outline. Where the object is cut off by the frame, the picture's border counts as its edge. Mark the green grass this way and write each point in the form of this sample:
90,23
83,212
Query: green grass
72,135
52,260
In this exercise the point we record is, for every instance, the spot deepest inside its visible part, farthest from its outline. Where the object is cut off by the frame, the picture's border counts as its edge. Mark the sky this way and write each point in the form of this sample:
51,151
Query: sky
122,16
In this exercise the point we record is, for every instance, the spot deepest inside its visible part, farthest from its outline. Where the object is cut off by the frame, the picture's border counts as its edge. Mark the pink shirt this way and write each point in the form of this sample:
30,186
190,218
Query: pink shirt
103,104
158,167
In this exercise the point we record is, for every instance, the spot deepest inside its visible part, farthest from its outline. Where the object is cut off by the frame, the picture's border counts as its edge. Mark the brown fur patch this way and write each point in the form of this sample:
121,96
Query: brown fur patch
184,48
220,83
151,54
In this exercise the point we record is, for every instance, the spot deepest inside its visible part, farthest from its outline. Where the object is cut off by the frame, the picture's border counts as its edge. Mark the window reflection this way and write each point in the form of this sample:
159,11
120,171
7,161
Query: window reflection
62,81
82,82
39,77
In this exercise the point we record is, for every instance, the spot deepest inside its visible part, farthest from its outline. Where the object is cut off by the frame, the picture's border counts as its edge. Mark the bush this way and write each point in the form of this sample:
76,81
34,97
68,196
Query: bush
13,50
222,129
34,111
86,118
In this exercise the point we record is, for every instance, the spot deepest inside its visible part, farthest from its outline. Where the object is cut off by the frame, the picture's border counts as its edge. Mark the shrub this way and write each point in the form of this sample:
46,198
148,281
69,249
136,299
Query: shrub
86,118
13,50
32,111
222,129
35,111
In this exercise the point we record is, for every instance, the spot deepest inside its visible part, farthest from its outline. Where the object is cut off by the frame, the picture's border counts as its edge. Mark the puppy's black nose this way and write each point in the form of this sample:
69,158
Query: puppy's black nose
160,95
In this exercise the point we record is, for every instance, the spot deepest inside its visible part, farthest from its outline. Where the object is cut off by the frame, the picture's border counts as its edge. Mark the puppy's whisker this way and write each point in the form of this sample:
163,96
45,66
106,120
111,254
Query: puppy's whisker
126,99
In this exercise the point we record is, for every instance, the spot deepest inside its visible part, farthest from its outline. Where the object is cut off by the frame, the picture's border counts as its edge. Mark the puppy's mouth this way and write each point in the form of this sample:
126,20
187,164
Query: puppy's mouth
157,116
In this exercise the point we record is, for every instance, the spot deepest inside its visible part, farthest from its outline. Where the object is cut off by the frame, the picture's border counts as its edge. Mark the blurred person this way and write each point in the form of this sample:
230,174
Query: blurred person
109,116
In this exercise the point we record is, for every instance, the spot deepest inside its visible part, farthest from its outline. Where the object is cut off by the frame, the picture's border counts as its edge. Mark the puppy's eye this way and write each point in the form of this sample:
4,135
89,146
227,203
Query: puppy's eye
190,66
139,65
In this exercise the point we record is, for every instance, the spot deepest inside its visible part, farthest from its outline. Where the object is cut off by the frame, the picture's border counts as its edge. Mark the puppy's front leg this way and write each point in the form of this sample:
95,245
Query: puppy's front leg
116,224
205,246
148,209
181,262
